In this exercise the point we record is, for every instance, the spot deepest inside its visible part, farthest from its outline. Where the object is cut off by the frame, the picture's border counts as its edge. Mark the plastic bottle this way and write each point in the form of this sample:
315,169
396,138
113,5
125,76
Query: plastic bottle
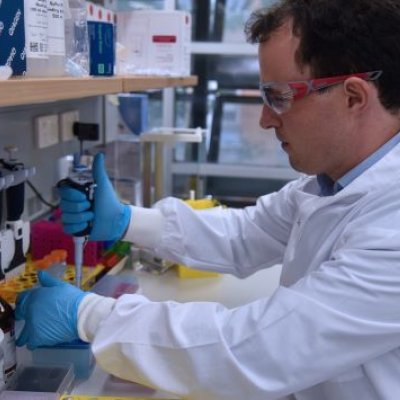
7,325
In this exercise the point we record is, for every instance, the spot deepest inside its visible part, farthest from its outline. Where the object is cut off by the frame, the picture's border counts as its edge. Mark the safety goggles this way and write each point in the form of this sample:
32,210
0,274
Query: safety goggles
279,96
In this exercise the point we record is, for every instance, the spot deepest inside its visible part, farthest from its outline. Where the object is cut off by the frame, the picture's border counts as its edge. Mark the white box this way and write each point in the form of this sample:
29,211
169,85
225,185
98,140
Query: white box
154,42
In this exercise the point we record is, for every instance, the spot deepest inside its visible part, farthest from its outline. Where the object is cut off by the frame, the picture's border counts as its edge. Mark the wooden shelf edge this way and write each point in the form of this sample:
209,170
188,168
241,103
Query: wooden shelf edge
139,83
21,90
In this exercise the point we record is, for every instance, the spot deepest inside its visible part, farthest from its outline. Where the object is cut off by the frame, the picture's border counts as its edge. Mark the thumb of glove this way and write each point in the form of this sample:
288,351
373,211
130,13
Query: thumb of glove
111,217
99,172
46,280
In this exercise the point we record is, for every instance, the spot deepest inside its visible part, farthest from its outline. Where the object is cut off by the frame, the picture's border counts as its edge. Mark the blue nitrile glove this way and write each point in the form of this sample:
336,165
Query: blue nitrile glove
110,217
50,312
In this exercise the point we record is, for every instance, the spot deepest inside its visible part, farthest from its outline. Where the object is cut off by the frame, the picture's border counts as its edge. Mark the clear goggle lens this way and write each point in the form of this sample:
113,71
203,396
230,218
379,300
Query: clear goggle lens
279,97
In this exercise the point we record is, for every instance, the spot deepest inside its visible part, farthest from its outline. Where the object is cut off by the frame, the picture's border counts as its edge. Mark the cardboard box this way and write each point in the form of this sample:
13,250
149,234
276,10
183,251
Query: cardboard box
154,42
12,35
100,22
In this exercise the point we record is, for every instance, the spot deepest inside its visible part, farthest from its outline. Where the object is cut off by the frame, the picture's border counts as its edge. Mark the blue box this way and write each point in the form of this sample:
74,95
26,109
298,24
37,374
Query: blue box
101,48
77,353
101,37
134,110
12,35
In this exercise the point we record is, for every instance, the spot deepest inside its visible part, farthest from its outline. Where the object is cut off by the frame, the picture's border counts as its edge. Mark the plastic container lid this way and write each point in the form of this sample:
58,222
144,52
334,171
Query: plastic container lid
42,378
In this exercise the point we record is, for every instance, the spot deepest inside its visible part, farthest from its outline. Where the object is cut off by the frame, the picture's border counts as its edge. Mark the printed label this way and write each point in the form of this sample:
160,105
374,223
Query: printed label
56,38
36,28
164,38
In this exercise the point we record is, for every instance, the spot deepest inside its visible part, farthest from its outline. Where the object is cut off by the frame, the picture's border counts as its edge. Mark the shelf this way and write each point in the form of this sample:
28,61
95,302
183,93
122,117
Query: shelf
234,171
19,91
137,83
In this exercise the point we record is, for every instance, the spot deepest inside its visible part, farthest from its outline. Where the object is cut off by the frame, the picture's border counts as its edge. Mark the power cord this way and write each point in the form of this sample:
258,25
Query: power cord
40,197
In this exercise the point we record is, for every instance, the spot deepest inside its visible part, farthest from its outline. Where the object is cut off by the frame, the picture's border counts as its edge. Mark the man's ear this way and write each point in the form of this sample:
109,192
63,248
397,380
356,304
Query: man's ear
358,93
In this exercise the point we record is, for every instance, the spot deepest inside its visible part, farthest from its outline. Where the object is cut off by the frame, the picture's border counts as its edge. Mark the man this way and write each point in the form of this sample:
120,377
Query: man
330,82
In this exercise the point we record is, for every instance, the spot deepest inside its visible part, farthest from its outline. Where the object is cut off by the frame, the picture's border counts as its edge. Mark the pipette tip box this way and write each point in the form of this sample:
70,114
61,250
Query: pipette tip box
45,382
77,353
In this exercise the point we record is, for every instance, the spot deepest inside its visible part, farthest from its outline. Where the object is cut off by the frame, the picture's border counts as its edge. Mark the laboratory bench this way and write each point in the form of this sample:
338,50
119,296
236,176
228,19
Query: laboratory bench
225,289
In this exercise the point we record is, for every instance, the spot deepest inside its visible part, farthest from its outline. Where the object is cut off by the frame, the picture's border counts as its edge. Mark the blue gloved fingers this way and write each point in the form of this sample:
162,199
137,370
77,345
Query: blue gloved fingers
21,303
79,218
74,207
32,345
73,223
70,194
46,280
50,313
23,337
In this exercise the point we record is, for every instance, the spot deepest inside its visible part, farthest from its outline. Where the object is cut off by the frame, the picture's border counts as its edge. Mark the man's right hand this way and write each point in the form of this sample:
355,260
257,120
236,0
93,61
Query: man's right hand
110,217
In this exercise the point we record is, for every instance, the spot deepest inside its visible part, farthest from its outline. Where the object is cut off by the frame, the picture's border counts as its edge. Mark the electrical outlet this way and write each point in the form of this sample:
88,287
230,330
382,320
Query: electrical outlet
67,120
47,130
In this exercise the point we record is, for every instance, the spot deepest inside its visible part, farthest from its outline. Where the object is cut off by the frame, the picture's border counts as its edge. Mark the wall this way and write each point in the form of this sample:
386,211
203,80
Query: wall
17,127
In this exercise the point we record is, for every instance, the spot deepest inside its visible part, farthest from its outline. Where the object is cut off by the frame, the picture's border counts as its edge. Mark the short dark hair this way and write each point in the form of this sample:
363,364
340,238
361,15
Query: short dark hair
340,37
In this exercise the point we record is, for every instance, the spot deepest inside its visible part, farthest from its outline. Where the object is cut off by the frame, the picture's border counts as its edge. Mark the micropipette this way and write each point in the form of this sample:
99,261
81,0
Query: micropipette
83,182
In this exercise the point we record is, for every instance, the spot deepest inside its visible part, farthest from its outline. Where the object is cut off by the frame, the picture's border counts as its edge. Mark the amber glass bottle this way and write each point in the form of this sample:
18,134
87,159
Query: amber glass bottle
7,325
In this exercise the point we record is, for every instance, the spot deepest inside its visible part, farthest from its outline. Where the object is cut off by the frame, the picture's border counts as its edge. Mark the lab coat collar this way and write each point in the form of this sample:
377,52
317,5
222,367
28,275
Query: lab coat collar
382,174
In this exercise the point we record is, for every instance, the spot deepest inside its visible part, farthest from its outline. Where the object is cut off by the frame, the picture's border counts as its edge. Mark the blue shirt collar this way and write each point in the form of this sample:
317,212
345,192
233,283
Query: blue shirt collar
328,187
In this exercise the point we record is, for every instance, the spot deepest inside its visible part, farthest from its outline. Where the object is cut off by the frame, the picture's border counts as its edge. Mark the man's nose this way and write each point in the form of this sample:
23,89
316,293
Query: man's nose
269,118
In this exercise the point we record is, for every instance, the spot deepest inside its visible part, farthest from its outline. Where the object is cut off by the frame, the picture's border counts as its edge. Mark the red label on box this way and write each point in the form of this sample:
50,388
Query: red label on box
164,39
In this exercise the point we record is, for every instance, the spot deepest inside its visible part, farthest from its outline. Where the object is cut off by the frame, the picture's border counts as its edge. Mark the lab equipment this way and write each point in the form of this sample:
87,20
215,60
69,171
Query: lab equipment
40,379
7,245
115,286
7,326
82,181
10,289
111,216
15,198
48,236
155,144
77,353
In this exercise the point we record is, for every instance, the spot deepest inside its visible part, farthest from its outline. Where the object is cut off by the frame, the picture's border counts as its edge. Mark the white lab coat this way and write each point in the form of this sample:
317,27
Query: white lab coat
331,331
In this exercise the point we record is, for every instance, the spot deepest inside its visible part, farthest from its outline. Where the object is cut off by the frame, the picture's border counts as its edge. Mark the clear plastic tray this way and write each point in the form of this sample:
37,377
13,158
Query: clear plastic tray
45,382
78,353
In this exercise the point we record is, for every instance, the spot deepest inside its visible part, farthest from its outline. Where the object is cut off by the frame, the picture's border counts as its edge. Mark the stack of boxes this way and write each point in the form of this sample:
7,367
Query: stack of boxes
40,38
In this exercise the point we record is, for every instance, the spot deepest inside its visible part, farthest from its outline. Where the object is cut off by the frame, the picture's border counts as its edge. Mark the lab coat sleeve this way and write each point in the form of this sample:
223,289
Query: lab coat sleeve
342,315
234,241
